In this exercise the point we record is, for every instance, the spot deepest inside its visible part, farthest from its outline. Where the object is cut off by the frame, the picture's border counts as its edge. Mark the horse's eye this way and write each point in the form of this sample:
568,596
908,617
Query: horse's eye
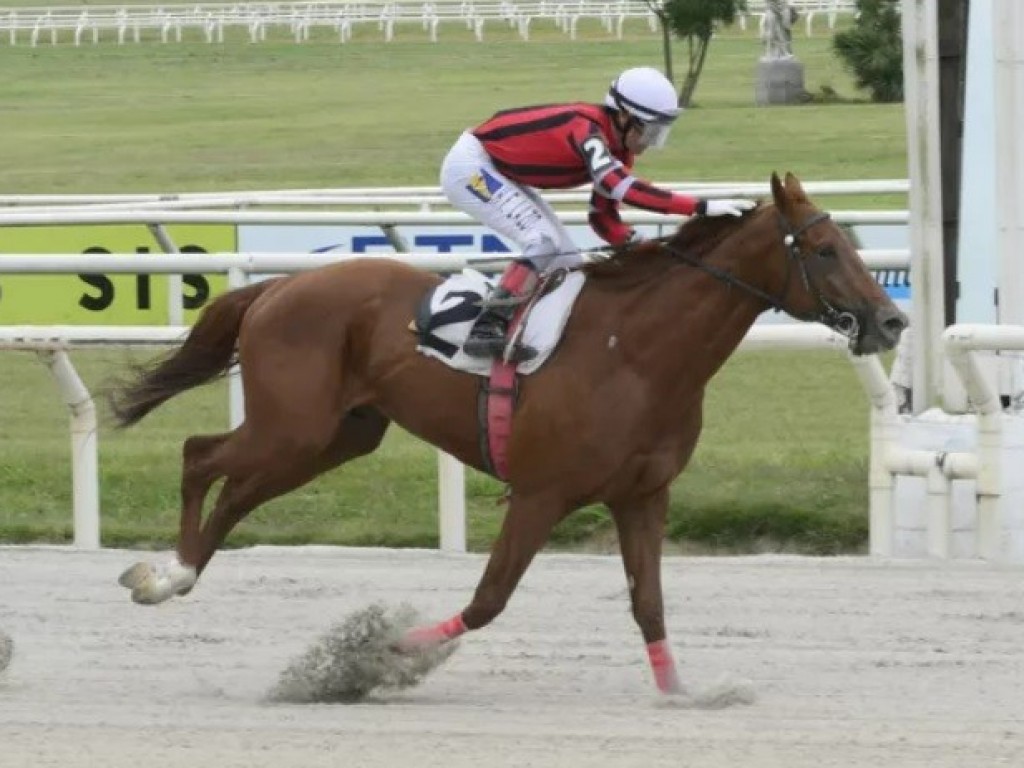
828,252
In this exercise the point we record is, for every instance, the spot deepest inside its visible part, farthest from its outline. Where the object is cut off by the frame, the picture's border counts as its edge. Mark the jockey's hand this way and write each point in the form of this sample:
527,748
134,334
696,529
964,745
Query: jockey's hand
724,207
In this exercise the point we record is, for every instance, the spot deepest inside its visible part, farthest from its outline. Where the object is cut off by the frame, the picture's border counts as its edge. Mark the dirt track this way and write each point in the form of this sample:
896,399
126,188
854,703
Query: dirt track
854,663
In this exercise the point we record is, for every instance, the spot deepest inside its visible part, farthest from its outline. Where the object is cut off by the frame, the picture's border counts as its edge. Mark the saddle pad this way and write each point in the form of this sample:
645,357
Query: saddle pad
449,310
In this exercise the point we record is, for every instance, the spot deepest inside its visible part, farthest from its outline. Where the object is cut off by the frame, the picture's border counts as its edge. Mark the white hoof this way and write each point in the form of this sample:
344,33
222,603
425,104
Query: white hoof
151,585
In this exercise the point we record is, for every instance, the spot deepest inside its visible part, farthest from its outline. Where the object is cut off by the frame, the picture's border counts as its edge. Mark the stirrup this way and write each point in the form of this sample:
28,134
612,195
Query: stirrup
502,302
484,346
515,352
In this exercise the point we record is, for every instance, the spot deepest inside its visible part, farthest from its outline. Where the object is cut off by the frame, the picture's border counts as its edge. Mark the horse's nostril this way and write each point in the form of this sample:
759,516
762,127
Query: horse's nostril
892,322
894,325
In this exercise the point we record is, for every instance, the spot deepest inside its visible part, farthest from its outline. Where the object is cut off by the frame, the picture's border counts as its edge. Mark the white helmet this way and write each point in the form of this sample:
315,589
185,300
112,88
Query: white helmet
648,96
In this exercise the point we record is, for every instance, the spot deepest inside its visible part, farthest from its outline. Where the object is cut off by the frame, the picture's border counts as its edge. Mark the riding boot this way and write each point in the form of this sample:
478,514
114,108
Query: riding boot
489,334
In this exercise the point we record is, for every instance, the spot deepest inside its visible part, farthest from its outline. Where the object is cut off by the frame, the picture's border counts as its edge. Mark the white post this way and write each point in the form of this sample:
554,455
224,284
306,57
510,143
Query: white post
451,496
236,397
940,512
884,427
1009,128
84,448
175,303
921,78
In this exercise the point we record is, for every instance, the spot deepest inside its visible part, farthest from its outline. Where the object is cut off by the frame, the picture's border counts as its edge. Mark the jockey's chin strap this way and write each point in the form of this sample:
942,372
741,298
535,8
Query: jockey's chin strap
844,323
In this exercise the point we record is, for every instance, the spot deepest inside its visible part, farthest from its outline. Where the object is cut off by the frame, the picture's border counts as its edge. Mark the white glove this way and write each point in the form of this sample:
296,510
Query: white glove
727,207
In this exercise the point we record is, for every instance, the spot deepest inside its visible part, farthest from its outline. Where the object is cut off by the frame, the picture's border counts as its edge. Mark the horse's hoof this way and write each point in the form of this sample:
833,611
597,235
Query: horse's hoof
135,576
144,594
151,585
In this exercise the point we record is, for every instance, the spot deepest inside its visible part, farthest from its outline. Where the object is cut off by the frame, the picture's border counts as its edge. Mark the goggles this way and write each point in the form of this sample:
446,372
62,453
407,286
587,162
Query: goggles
654,135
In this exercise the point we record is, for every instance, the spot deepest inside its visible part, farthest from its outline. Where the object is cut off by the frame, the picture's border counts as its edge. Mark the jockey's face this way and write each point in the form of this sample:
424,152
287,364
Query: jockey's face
631,132
634,138
638,137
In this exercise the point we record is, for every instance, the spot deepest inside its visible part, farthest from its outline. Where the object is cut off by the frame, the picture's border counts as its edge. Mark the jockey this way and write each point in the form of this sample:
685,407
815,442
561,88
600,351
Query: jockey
493,171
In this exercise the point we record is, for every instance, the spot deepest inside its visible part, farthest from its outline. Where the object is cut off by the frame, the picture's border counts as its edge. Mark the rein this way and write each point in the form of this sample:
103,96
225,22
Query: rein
843,323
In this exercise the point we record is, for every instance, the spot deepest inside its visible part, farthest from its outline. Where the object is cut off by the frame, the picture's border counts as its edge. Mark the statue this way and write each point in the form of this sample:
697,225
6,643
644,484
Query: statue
780,75
778,30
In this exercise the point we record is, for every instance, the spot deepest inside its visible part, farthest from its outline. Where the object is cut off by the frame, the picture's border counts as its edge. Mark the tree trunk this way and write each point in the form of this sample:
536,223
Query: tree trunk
698,53
666,46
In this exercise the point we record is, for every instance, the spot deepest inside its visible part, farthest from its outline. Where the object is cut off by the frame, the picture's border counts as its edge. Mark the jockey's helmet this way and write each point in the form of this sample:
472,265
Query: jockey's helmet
649,99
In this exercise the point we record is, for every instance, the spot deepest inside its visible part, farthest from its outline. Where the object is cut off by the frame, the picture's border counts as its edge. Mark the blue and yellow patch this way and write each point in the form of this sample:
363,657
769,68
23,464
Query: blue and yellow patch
484,185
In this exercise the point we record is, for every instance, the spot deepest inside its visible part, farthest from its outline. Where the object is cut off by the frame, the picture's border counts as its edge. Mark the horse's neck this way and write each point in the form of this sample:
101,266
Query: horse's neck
713,321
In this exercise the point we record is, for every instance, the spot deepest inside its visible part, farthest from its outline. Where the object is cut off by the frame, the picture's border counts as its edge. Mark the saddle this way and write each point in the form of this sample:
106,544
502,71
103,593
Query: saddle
442,323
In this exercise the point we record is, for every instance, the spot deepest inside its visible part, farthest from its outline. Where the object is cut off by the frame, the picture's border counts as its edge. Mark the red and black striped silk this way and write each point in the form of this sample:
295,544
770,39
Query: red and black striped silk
559,146
541,146
605,220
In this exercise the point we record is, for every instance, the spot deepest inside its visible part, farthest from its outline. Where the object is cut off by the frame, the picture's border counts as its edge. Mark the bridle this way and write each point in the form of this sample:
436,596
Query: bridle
844,323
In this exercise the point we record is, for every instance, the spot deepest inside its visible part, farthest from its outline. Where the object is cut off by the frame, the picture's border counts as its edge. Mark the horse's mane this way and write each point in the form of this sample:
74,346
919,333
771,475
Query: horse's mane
696,238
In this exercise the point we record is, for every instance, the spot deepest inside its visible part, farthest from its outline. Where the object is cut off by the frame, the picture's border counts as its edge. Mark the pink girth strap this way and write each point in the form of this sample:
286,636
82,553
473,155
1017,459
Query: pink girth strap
501,401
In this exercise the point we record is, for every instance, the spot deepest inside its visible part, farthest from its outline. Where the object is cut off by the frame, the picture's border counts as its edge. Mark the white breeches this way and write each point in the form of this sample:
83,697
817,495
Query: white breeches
473,185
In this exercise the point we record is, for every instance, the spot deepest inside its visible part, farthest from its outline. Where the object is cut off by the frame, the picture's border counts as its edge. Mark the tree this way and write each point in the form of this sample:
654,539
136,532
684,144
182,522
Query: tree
694,21
873,49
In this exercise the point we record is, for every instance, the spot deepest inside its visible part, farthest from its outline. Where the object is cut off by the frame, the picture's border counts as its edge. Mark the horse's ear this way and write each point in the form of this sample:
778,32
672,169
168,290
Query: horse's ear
795,189
778,192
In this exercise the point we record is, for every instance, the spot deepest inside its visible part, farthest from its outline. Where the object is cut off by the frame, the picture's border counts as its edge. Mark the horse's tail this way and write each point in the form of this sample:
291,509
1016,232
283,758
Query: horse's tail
207,352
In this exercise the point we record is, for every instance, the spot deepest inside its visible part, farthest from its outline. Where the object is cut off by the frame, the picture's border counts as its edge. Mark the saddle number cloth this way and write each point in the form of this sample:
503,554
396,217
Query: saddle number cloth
448,312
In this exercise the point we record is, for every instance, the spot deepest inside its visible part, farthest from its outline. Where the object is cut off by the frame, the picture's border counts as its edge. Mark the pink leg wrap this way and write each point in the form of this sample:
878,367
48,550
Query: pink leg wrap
664,667
428,637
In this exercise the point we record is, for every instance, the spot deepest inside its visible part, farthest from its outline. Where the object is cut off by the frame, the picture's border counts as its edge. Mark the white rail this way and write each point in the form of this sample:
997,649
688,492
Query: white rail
365,218
267,263
53,342
419,195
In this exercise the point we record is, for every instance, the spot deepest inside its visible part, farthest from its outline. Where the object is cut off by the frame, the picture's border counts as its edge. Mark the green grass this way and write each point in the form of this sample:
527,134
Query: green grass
782,464
783,460
196,117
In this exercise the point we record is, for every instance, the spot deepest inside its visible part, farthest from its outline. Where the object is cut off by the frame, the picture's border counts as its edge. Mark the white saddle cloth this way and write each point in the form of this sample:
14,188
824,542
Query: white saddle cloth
455,305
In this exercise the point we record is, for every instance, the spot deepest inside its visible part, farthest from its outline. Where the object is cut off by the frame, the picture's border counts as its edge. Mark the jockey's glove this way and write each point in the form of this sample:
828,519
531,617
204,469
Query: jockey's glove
723,207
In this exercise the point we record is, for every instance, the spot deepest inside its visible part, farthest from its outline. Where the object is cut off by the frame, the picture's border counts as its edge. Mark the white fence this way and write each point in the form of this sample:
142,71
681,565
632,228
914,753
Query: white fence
209,22
53,342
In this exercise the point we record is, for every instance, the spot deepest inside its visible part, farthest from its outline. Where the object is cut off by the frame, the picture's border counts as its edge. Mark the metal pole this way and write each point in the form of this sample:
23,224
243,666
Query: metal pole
451,496
84,448
236,397
921,74
175,303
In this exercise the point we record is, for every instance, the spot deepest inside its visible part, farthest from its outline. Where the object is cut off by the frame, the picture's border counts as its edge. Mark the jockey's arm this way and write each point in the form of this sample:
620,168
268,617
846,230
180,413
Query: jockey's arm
605,220
618,183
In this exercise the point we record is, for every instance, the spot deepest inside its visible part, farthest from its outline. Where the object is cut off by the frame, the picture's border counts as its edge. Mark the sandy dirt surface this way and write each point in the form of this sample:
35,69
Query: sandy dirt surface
854,663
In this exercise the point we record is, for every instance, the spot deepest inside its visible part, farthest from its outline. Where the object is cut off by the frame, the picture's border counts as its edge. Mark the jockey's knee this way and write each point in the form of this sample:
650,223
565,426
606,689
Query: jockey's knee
540,250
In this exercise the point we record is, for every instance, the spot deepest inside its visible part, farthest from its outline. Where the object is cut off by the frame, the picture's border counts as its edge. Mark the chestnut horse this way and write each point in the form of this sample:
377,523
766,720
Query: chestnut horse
328,363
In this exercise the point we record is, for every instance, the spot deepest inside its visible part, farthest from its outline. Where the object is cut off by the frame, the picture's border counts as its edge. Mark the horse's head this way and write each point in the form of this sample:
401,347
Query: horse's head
820,276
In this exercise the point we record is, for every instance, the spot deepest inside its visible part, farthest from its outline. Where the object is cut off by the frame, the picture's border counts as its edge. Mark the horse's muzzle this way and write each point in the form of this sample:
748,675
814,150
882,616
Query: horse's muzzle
881,331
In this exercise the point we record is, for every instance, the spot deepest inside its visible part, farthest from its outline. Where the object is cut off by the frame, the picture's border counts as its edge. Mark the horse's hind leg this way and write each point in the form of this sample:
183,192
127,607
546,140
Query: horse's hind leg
257,470
527,525
360,433
200,470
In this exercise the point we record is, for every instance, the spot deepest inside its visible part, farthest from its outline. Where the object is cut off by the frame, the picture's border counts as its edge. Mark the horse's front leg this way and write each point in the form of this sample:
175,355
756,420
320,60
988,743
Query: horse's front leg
526,527
641,527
